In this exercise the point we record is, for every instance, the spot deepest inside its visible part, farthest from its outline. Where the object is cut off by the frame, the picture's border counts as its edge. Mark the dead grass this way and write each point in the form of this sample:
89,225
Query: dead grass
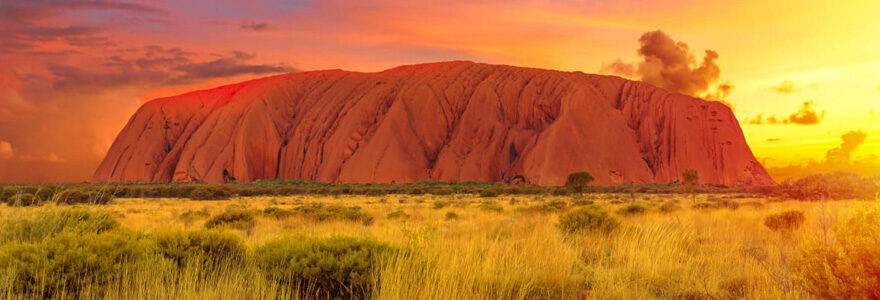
511,253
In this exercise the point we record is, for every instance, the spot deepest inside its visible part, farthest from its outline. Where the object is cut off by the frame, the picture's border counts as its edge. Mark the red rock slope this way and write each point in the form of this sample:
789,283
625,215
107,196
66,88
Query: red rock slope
441,121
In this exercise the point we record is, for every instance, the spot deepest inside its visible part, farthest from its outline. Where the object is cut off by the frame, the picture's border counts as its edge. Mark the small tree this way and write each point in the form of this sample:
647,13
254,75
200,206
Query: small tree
578,181
690,178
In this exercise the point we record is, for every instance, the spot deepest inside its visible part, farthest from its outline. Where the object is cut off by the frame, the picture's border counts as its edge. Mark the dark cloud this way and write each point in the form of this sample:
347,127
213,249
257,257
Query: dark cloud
806,115
785,87
21,28
257,26
669,64
836,159
156,67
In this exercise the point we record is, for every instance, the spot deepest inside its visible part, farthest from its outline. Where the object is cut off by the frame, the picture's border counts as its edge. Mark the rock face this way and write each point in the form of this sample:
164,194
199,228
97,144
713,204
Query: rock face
442,121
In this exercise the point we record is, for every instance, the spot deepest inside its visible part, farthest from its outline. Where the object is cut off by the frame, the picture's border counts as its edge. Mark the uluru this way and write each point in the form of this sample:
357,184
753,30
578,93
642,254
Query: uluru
449,121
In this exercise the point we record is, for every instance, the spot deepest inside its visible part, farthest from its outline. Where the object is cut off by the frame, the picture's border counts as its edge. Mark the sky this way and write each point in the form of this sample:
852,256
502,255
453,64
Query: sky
799,75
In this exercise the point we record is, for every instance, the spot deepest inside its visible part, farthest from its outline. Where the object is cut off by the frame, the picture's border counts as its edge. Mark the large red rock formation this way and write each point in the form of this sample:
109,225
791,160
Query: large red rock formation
441,121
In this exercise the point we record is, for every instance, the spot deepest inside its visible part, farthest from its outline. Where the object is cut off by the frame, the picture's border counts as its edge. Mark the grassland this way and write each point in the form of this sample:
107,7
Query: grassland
470,247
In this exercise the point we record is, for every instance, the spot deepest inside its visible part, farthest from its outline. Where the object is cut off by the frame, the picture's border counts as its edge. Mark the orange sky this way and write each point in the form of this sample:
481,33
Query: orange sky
72,72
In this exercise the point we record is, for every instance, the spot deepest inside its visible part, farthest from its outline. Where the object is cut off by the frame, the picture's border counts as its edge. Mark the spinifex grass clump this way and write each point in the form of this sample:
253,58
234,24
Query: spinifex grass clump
632,210
587,219
785,221
322,213
329,268
237,219
206,249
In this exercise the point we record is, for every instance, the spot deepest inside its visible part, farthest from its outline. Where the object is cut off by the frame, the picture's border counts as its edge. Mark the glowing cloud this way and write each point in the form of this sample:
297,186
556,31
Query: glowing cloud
785,87
806,115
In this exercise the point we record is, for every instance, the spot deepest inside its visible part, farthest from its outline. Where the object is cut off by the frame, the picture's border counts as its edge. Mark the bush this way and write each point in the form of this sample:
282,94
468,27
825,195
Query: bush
834,186
277,213
491,206
578,181
75,196
587,219
582,202
238,219
847,269
631,210
488,193
556,205
451,215
49,223
332,268
398,215
322,213
785,221
63,265
200,248
23,199
209,193
440,204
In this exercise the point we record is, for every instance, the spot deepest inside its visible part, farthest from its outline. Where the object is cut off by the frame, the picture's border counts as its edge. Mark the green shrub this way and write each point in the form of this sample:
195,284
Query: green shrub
209,193
48,223
440,204
578,181
491,206
331,268
556,205
785,221
23,199
488,193
398,215
75,196
238,219
277,213
587,219
632,209
451,215
847,269
834,186
64,264
201,248
581,202
323,213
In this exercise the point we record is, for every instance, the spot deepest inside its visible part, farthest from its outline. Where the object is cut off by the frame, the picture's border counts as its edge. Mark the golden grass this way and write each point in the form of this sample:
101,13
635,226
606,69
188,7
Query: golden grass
514,254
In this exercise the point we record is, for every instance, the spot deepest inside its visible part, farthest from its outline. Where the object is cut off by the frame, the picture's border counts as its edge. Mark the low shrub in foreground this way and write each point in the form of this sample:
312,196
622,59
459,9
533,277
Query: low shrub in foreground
49,223
785,221
398,215
587,219
847,268
632,210
331,268
238,219
66,263
205,249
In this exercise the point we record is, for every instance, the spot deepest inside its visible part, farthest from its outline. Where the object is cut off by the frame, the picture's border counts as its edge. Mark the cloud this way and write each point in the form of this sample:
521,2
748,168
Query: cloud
257,27
669,64
774,139
224,67
806,115
785,87
836,159
5,150
21,30
842,154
